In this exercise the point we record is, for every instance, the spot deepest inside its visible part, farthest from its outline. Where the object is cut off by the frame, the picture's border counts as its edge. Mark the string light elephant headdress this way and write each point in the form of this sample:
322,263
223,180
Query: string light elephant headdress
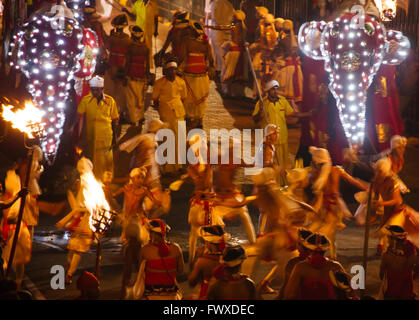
353,46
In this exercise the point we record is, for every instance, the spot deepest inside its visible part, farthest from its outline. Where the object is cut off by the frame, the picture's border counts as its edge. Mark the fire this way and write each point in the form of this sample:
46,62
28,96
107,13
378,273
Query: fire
27,120
78,151
387,8
95,202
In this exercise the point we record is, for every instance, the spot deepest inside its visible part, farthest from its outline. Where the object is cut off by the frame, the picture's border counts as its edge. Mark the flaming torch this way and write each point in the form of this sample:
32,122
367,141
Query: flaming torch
100,213
29,121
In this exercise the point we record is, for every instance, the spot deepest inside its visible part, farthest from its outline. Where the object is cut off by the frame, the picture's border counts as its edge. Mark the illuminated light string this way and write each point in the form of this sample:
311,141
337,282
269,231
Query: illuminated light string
352,55
48,58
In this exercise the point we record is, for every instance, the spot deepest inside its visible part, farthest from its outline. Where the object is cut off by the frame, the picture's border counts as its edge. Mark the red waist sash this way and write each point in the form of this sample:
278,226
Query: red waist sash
196,63
137,67
160,272
117,56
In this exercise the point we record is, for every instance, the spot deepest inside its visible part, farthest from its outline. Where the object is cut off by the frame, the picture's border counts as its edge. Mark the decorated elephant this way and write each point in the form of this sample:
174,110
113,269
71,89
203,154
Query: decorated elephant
353,46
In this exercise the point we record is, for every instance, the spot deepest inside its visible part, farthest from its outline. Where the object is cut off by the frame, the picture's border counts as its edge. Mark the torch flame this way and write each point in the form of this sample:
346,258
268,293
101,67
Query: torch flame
95,201
78,151
27,120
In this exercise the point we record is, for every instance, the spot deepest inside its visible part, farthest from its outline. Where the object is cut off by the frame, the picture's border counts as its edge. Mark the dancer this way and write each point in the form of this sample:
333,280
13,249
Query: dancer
8,228
161,261
78,221
134,229
310,279
395,211
304,253
229,201
328,201
230,283
208,258
201,202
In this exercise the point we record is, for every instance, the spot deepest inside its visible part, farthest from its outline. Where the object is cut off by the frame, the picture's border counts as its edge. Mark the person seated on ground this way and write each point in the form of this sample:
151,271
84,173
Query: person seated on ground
208,257
88,285
161,262
230,283
397,266
304,253
310,279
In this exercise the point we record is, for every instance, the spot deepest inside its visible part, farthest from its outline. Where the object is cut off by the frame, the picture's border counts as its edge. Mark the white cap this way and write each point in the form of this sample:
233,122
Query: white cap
397,141
271,84
96,82
171,64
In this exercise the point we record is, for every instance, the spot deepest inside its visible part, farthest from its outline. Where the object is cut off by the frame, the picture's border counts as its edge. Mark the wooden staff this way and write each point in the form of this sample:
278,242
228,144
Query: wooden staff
367,234
262,107
20,216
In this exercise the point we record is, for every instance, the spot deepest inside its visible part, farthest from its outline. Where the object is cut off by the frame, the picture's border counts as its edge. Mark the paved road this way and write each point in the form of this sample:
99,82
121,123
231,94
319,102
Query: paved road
49,246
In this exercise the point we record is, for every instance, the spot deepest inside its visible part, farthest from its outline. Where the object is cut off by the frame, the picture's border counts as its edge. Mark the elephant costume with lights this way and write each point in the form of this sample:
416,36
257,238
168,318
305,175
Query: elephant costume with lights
353,46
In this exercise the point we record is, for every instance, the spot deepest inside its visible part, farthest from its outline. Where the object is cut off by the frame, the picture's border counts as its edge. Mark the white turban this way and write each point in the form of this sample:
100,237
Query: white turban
171,64
271,84
96,82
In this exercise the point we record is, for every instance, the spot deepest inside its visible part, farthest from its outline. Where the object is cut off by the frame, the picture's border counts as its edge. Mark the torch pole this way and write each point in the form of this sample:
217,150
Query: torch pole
98,257
366,235
20,216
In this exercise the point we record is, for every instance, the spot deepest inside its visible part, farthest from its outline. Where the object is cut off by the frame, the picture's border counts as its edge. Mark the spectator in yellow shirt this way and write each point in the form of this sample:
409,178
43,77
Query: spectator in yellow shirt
277,109
97,124
169,93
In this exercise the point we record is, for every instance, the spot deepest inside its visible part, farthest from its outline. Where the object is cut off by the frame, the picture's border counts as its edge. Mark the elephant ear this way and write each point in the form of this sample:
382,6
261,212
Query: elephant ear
398,47
309,38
